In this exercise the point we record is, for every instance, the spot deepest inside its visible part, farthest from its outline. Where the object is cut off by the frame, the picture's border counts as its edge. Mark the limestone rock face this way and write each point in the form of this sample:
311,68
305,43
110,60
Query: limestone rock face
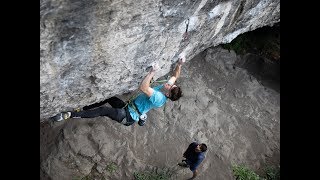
91,50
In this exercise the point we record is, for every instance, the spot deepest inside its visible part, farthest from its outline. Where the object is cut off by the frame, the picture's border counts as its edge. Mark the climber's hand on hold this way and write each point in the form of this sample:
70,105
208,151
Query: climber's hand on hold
155,67
181,58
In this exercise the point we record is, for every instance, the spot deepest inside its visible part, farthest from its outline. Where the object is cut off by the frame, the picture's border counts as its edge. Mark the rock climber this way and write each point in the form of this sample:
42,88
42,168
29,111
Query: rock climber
135,110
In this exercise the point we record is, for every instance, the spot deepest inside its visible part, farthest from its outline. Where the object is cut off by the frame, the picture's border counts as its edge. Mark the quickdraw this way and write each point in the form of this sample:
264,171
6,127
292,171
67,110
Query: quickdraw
185,35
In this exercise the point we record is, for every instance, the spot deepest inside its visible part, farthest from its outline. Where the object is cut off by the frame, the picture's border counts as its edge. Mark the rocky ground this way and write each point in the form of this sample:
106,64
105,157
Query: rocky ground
227,107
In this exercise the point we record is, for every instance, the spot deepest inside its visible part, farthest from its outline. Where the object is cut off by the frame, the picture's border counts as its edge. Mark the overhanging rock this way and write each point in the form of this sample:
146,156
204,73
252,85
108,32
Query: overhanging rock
91,50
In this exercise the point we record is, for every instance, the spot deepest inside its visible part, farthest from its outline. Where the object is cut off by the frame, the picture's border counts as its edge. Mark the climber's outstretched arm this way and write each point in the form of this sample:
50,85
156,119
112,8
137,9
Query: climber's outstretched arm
145,85
177,70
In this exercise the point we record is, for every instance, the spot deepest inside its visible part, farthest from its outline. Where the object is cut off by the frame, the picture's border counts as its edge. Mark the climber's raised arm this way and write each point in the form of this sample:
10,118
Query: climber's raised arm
145,84
177,70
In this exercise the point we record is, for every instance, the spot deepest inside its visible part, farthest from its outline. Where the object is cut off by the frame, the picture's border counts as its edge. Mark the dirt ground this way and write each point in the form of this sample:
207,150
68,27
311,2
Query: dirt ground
223,106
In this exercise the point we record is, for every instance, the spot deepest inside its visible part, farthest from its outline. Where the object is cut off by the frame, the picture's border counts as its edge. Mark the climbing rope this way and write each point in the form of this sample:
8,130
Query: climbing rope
160,81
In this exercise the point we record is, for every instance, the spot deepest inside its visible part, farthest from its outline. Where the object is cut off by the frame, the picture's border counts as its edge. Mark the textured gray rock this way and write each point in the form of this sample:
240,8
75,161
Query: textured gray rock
223,106
91,50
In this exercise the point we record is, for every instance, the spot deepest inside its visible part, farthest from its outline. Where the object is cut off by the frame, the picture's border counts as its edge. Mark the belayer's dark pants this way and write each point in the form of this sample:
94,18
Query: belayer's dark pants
117,112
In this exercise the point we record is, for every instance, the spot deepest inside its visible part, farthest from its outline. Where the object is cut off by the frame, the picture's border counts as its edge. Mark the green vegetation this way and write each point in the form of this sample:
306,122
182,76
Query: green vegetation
155,174
242,172
272,173
111,167
263,41
239,44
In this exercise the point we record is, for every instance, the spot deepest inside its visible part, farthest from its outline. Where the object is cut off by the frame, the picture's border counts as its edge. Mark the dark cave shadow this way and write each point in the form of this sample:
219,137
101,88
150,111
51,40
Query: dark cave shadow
266,71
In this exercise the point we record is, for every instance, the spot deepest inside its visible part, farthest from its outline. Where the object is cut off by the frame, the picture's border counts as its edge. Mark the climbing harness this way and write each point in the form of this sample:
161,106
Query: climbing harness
130,101
142,117
185,35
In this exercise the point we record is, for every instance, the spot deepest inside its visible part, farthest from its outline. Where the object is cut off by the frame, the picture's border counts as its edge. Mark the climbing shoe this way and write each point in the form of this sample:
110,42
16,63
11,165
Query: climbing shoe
62,116
77,110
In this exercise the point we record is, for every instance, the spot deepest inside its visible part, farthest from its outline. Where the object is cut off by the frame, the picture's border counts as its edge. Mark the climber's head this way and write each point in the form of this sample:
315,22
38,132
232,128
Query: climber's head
173,92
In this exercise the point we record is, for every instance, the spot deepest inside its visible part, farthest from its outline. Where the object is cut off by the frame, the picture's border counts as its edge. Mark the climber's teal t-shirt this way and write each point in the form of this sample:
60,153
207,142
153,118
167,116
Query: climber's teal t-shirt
145,103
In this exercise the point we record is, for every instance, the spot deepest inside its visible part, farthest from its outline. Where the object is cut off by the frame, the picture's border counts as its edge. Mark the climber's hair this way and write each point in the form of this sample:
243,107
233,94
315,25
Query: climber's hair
175,93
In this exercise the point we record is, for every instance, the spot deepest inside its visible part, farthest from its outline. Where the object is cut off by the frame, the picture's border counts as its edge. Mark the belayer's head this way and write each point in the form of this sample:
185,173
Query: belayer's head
173,92
201,148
